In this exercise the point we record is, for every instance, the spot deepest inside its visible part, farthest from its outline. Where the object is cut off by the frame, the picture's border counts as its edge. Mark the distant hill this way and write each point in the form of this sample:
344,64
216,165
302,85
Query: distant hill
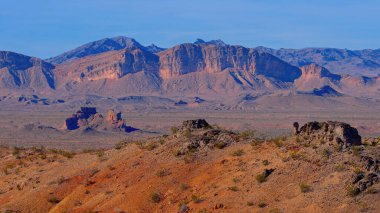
20,72
340,61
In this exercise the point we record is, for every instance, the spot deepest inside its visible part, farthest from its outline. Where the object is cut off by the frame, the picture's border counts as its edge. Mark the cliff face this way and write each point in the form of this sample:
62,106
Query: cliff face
210,58
18,71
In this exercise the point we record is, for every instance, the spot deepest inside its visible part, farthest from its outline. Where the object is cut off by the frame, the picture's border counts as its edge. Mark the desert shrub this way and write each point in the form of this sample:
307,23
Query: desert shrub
119,145
174,130
250,203
275,210
326,153
339,168
53,200
246,134
304,187
63,153
261,178
371,190
187,133
163,173
352,191
156,197
220,144
238,153
196,199
265,162
61,180
184,186
356,150
262,205
235,180
278,141
204,210
100,153
151,146
233,188
256,142
16,151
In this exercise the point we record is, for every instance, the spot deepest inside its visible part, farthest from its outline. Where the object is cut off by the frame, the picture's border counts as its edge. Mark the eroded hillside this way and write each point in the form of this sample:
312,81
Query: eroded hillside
199,168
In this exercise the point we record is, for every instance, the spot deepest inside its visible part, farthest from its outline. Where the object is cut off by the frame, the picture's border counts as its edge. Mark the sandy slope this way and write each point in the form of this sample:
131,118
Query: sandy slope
208,180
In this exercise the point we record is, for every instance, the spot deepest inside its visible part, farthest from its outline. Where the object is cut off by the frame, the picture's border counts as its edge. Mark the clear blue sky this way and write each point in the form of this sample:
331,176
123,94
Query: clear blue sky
45,28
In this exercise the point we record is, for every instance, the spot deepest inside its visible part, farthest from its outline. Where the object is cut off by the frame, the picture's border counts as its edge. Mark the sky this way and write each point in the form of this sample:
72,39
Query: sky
45,28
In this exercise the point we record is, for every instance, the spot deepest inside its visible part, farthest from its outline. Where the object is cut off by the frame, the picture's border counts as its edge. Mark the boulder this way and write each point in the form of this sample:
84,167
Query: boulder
341,133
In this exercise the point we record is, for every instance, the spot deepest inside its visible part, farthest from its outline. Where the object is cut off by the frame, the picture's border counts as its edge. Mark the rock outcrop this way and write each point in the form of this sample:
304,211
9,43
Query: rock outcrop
195,124
88,117
330,131
200,135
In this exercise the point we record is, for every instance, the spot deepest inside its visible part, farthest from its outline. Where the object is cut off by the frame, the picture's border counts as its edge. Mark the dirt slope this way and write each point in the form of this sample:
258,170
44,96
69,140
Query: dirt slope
226,175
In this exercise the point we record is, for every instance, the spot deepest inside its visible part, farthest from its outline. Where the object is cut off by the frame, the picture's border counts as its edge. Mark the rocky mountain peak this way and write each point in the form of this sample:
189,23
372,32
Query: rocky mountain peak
97,47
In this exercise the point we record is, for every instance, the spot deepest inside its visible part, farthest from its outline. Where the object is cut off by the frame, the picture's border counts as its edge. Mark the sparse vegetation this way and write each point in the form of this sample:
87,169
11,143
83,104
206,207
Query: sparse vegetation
261,178
352,191
246,134
262,205
265,162
163,173
233,188
196,199
356,150
53,200
184,186
250,203
304,187
174,130
220,144
326,153
156,197
238,153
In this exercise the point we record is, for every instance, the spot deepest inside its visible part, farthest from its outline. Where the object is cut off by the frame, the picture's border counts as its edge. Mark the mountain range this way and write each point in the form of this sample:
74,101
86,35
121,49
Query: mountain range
121,66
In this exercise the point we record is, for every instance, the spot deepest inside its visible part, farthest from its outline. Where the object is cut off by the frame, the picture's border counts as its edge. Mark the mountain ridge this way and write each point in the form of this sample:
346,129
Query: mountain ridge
121,66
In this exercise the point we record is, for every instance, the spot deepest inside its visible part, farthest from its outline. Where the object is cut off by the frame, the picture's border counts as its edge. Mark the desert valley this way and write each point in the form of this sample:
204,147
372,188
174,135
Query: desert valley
116,126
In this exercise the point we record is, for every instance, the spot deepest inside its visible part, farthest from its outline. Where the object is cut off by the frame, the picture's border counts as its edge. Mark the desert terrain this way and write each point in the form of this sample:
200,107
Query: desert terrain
198,168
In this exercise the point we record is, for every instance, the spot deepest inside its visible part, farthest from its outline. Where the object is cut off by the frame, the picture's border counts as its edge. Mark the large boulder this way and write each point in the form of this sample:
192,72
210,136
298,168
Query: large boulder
339,132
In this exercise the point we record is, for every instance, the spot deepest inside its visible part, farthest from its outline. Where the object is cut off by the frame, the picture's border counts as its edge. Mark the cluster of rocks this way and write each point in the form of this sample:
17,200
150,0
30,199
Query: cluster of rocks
202,135
369,176
330,131
88,117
